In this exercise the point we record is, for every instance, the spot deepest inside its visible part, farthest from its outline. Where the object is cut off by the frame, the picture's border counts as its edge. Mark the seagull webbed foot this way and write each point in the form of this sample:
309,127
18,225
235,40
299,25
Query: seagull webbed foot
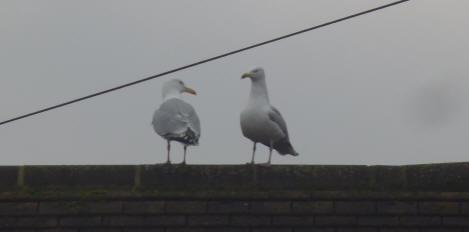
267,164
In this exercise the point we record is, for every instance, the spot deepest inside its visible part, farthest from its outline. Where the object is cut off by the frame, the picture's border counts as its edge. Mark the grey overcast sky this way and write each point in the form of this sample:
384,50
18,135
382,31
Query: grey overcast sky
389,87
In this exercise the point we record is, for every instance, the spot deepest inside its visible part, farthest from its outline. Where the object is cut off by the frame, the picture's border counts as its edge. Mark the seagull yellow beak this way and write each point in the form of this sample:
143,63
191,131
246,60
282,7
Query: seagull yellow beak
245,75
189,90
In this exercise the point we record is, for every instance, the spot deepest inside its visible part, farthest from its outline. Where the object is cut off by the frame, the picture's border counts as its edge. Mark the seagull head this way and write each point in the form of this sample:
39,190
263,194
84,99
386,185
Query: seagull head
176,86
255,74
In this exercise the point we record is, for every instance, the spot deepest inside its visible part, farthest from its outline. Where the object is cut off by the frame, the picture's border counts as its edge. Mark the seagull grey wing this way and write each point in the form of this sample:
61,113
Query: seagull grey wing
177,120
162,122
277,118
194,119
283,146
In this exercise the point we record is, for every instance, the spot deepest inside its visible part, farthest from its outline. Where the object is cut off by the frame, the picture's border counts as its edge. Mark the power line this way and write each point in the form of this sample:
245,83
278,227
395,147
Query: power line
201,62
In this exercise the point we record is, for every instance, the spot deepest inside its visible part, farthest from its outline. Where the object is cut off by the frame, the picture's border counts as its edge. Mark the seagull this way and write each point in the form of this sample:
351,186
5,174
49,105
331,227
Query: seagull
261,122
176,119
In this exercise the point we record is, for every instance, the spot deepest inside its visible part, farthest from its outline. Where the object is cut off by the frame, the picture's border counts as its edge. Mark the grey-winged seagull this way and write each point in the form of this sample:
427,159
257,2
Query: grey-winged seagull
261,122
176,119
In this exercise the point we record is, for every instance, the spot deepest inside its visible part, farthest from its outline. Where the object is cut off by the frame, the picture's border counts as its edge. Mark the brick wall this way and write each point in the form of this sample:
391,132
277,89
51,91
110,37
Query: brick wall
235,198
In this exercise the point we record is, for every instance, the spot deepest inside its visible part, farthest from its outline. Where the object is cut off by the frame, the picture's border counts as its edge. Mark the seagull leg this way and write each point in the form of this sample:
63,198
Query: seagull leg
185,150
270,155
253,153
169,148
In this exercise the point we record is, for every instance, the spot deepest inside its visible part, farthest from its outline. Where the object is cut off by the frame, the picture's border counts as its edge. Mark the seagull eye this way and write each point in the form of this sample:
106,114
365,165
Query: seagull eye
180,82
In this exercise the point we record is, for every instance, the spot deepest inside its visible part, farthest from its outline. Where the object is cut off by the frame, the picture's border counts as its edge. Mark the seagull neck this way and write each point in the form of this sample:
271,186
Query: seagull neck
259,91
171,94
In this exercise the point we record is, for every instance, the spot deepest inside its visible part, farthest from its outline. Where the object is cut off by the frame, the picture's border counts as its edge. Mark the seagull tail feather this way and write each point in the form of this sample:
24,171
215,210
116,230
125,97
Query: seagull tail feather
284,147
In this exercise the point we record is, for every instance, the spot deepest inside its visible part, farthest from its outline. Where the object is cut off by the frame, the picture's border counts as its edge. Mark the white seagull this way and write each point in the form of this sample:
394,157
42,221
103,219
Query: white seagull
261,122
176,119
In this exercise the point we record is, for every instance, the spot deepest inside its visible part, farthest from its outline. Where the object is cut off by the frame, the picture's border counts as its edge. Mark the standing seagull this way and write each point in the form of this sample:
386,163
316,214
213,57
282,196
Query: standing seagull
176,119
261,122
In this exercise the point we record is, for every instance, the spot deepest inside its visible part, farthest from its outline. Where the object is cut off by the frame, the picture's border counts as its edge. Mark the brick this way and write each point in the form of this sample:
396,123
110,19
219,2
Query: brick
270,207
315,229
18,208
37,222
297,194
63,230
378,220
358,229
142,230
250,220
28,230
6,222
122,220
207,220
397,207
355,207
165,220
79,207
442,229
186,207
465,208
439,207
420,220
456,221
80,221
228,207
142,207
216,229
336,220
313,207
273,229
399,230
293,220
100,230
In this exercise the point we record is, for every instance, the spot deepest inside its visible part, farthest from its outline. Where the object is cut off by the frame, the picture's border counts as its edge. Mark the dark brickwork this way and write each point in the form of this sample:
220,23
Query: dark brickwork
235,198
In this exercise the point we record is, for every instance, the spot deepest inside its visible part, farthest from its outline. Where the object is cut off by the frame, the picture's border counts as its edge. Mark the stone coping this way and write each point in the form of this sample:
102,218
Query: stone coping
298,181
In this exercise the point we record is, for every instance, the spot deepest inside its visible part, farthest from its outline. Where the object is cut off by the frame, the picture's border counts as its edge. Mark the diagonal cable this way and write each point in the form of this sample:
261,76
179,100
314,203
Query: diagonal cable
201,62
